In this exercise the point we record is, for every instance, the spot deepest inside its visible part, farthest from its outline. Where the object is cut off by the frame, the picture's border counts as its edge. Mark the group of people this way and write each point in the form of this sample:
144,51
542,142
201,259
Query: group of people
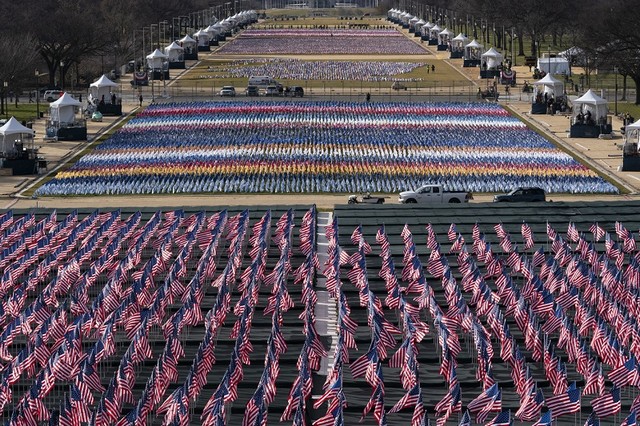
584,117
321,147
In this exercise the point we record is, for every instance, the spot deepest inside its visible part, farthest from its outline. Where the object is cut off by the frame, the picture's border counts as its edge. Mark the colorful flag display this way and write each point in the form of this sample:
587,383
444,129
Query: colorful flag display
327,147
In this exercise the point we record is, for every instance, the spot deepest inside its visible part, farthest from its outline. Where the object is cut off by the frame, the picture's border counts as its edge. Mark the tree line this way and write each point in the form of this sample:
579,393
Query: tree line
607,33
71,42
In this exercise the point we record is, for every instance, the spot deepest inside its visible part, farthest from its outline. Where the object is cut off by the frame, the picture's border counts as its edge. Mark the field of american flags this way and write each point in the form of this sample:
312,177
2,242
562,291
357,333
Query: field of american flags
113,316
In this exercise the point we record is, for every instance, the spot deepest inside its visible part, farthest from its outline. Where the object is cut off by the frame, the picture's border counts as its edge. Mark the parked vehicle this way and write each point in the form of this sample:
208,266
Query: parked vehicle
365,198
272,91
398,86
52,95
229,91
252,91
261,81
434,194
294,91
521,195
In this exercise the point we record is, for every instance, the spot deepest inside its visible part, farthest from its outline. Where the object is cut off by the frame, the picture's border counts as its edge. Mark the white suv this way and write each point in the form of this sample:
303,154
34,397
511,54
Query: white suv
52,95
228,91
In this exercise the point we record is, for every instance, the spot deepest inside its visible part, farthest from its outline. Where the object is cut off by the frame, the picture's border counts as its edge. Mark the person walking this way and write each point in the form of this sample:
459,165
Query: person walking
368,97
140,99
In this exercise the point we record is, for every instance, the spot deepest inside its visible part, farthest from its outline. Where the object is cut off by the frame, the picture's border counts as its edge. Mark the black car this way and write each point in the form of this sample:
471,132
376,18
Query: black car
252,91
521,194
294,91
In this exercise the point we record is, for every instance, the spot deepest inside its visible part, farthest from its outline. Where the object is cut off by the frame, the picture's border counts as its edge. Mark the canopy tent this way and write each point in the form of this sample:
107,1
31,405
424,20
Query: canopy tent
434,32
473,50
590,109
174,52
418,26
156,60
12,132
412,23
187,43
554,65
491,59
213,30
425,31
445,36
632,133
101,89
202,38
458,42
63,111
550,85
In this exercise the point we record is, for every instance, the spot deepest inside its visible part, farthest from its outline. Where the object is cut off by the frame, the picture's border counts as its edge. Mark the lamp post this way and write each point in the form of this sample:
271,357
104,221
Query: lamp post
615,70
549,60
37,94
5,86
62,76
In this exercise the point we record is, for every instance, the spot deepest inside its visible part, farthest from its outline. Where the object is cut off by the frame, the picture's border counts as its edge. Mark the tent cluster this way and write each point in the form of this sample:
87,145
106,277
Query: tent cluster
295,69
303,147
325,42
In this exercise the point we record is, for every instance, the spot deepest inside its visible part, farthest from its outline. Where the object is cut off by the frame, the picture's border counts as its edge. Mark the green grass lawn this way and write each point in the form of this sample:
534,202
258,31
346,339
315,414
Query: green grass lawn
24,111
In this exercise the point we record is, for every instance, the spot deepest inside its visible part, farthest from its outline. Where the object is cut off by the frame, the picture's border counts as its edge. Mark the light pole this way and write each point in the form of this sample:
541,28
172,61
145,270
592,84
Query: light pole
549,59
37,94
62,76
5,86
615,70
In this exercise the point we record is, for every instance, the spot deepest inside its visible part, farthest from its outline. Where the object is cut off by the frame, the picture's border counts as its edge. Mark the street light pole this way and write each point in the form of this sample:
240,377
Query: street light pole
37,94
615,69
62,76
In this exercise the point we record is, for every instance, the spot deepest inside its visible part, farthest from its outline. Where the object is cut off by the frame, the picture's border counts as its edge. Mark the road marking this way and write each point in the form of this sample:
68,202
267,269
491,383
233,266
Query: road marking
583,147
634,177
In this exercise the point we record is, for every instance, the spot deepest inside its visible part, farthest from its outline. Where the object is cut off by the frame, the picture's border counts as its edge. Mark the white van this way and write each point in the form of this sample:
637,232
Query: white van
262,81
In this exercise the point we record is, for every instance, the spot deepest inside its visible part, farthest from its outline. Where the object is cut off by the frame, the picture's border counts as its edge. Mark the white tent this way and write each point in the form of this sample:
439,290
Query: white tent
444,36
63,111
203,38
458,42
592,103
473,50
427,27
550,85
174,52
101,89
187,43
632,133
434,32
418,25
13,132
213,30
554,65
492,58
156,59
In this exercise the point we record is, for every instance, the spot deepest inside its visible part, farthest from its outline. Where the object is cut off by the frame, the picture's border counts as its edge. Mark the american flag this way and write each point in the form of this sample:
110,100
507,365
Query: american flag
566,403
630,420
527,236
545,419
502,419
592,420
466,419
607,404
597,231
413,398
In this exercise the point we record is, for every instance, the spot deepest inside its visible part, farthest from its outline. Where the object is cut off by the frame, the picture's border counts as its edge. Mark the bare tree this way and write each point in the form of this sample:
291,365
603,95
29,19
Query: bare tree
613,37
17,68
